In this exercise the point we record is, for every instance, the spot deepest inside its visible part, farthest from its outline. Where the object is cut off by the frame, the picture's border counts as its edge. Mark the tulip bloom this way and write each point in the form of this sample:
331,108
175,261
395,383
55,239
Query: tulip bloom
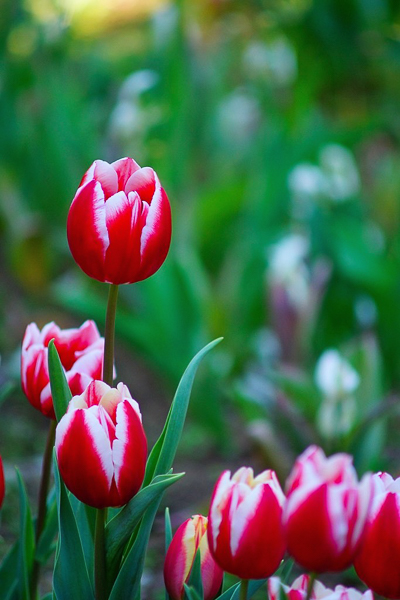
119,223
245,531
298,591
101,446
189,537
325,511
378,560
81,354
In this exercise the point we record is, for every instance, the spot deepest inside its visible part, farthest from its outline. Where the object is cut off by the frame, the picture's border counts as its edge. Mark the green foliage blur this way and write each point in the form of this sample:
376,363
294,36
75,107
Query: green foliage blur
269,122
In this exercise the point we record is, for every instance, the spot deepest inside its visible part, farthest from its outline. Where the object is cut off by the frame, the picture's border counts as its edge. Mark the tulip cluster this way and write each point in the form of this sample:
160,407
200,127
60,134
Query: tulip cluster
299,588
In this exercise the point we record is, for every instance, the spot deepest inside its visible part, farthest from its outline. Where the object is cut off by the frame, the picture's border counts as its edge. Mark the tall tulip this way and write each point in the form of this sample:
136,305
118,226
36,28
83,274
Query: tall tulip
81,354
378,561
188,539
245,532
299,588
119,222
325,511
101,446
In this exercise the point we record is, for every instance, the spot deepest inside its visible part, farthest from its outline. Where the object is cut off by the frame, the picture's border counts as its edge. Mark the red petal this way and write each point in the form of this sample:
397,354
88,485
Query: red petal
156,235
124,168
86,230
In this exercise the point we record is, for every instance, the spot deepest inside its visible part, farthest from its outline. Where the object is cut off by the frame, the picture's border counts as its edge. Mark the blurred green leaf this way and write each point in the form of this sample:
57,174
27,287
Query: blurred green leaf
26,543
60,391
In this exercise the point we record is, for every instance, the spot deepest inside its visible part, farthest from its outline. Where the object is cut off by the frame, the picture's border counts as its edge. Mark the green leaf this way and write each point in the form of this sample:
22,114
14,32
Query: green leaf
85,517
168,529
195,581
46,543
120,527
164,450
191,593
228,594
59,387
127,584
26,542
70,577
8,573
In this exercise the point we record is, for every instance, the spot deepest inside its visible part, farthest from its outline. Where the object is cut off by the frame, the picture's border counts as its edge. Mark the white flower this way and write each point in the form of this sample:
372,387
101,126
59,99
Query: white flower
334,375
275,60
287,268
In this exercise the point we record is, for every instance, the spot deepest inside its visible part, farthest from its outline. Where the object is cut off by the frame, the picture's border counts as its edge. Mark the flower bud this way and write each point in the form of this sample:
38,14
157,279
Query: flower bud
81,354
325,511
245,531
299,588
377,562
101,446
188,539
119,222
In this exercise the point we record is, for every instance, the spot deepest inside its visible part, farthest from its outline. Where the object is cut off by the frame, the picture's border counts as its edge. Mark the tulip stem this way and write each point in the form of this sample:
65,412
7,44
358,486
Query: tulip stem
100,572
42,500
310,587
244,584
108,363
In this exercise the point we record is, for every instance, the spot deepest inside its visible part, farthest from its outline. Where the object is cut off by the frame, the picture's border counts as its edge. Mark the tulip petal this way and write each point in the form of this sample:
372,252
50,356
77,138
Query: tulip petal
86,230
124,227
156,234
106,175
143,182
129,452
84,456
124,167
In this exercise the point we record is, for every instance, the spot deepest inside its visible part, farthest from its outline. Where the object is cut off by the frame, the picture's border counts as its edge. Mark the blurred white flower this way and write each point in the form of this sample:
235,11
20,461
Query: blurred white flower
275,60
334,375
337,380
307,180
287,268
137,83
341,172
238,117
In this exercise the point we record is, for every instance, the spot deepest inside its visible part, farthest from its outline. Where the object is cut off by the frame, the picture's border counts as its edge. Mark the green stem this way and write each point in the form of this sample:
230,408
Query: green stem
244,584
100,572
310,585
42,500
108,363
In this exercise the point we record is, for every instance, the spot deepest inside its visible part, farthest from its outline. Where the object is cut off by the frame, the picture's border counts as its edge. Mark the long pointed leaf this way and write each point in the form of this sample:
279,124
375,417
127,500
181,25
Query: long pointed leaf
120,528
164,450
59,387
26,543
70,577
8,573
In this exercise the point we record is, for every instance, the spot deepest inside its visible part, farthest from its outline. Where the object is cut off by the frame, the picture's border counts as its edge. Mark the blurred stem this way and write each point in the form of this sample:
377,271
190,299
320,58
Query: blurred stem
42,500
108,363
310,585
100,572
244,584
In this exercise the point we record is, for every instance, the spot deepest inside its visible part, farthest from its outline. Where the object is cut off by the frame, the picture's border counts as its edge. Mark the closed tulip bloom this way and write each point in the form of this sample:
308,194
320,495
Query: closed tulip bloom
378,561
119,223
188,539
101,446
81,354
245,532
325,511
298,591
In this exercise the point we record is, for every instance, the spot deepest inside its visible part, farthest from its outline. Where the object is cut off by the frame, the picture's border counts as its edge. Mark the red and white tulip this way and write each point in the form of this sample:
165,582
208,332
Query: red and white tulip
299,588
245,532
81,353
101,446
190,537
378,560
119,222
2,483
325,511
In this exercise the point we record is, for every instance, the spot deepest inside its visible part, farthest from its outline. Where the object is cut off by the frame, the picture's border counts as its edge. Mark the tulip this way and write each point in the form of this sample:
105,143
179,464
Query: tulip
325,511
299,588
188,539
81,354
101,446
119,222
377,562
245,532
